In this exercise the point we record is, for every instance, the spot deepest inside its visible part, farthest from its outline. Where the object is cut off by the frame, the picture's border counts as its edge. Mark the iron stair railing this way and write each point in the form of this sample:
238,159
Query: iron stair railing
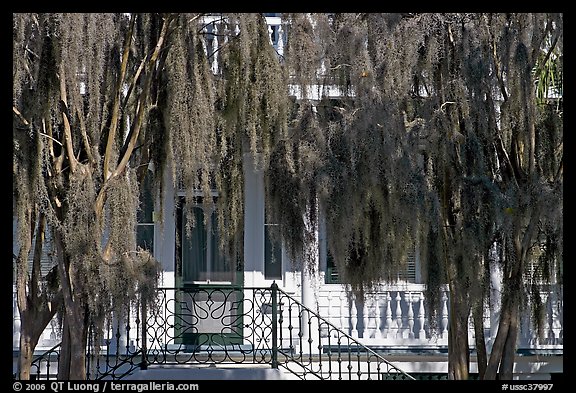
311,347
209,325
50,359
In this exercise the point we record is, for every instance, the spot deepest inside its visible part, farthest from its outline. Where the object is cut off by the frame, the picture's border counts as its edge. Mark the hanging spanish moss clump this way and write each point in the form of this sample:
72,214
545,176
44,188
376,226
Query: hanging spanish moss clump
70,164
252,105
345,155
189,112
434,141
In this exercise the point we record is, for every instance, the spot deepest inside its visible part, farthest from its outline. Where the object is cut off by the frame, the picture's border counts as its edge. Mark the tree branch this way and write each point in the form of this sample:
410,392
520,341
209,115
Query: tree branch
87,146
135,130
65,118
117,98
36,273
22,265
19,115
497,68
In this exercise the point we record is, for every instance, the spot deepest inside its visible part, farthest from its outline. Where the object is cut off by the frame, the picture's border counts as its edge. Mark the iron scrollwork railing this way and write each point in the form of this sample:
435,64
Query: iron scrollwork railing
210,325
218,325
311,347
41,365
228,325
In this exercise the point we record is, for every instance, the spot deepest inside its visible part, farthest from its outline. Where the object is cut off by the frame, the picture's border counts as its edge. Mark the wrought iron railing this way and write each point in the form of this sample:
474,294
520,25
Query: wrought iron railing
206,325
45,366
210,325
111,358
313,348
218,325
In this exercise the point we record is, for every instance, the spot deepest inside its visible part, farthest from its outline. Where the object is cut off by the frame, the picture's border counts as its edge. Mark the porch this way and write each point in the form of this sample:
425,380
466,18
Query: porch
388,335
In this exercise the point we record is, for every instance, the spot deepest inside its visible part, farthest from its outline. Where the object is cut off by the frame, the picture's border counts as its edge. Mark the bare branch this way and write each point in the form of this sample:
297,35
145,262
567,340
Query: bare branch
65,118
117,98
19,115
497,67
36,274
87,146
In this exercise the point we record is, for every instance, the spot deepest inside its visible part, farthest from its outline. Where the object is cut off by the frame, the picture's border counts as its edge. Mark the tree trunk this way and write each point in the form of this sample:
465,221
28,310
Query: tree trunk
64,363
34,321
73,354
27,344
78,352
72,363
458,349
504,326
509,352
481,355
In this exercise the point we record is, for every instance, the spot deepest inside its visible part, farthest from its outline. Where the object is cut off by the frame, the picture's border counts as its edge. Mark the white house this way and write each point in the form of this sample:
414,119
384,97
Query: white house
309,327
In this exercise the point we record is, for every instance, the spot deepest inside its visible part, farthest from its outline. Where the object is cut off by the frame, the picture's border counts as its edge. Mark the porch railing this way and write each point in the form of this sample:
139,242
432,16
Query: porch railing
211,325
342,337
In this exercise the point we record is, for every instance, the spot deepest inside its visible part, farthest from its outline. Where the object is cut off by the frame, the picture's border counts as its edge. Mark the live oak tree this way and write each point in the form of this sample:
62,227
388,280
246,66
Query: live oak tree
448,134
438,135
97,98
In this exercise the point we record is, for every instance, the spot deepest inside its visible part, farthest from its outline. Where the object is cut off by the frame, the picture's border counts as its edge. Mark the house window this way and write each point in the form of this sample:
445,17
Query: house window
272,252
145,216
331,276
200,258
407,275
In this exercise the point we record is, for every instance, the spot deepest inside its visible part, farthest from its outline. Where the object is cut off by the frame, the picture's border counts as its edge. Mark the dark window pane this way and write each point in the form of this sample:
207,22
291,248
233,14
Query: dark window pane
331,276
194,248
145,237
146,201
272,252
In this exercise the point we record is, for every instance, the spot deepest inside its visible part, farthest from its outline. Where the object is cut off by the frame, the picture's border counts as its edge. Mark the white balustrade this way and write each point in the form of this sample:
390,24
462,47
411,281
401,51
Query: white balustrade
421,317
410,315
398,315
377,316
395,315
217,30
444,322
388,315
353,316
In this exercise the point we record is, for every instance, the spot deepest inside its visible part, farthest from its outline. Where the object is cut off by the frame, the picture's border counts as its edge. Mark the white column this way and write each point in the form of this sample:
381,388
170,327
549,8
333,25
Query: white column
271,34
165,233
444,327
398,315
280,40
119,329
495,294
365,318
16,321
388,314
353,316
253,222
